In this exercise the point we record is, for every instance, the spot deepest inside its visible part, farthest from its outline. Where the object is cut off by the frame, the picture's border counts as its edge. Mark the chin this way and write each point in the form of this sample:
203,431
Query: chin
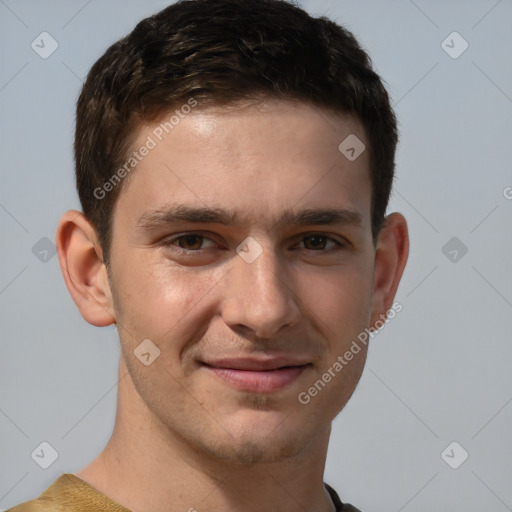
261,437
248,451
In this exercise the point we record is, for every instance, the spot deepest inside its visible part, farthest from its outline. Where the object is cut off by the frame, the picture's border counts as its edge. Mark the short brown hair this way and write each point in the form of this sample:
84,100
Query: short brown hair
220,52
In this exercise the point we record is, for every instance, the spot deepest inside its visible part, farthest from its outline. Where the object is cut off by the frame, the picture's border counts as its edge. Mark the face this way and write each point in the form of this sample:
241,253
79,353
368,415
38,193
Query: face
242,249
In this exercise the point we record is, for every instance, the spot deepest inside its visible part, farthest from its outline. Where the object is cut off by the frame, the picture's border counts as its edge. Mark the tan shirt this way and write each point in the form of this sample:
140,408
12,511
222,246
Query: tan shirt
72,494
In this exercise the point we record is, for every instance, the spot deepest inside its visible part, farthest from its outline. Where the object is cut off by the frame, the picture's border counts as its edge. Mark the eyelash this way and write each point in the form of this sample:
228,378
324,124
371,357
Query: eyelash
171,242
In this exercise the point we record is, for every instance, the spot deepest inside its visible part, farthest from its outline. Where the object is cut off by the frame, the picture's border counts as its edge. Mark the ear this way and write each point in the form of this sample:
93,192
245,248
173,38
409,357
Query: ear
85,274
390,259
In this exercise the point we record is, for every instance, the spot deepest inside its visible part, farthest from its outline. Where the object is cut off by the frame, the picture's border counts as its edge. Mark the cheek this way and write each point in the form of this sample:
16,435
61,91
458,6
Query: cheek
340,299
155,299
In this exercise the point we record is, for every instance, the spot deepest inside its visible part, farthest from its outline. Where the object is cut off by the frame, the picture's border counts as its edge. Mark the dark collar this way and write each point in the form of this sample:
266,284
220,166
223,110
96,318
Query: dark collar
340,507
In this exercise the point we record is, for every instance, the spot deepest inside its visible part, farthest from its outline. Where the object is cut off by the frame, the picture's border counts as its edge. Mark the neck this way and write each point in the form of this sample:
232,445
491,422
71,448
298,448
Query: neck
145,466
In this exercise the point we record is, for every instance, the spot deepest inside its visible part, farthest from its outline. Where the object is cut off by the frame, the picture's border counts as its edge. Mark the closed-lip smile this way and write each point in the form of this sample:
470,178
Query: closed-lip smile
257,374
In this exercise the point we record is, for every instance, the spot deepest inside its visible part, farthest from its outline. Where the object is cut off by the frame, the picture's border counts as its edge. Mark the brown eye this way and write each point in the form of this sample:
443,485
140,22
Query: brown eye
318,242
190,242
193,242
315,242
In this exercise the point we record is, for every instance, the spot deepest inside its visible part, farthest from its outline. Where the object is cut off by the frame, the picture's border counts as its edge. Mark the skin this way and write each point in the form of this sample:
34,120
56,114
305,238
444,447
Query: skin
183,437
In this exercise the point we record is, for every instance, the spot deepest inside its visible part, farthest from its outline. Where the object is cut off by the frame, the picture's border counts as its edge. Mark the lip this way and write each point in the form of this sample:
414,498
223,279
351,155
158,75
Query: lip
256,363
259,375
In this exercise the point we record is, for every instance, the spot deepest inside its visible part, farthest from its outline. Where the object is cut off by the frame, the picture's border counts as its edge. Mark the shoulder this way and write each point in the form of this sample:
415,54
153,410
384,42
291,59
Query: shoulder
349,508
70,493
38,505
340,507
61,496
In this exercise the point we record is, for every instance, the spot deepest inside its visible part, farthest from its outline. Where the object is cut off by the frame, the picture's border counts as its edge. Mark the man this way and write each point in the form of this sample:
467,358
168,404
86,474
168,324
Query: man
234,161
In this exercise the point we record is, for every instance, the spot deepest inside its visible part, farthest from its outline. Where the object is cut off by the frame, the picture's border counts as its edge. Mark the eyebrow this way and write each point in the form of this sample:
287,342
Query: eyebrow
173,214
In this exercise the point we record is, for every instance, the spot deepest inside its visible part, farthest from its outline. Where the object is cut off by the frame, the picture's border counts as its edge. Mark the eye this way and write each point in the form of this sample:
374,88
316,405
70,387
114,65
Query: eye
318,242
189,242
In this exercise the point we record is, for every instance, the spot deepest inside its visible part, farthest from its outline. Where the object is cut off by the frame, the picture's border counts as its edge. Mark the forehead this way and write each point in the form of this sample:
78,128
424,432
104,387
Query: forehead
257,160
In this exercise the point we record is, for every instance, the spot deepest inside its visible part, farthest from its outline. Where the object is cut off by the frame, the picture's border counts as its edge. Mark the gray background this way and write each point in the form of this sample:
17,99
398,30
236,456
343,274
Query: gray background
439,372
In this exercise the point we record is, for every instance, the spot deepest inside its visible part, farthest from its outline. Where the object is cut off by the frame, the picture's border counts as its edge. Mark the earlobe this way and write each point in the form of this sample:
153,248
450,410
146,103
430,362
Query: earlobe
390,261
82,267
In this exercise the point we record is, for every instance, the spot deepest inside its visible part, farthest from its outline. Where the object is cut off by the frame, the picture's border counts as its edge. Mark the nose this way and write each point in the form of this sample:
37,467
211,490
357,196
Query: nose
259,297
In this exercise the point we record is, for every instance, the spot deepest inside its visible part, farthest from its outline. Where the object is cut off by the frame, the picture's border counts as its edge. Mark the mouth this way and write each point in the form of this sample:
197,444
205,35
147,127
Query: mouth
257,375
